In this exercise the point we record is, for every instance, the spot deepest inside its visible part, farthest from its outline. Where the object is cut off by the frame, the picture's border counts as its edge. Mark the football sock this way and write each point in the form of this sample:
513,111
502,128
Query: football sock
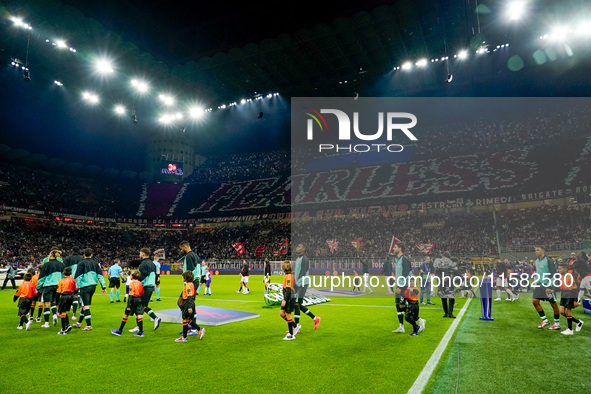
158,293
123,321
556,319
185,329
46,314
39,310
498,293
140,323
87,317
569,321
290,326
117,294
53,309
198,290
151,313
74,307
64,321
306,310
542,315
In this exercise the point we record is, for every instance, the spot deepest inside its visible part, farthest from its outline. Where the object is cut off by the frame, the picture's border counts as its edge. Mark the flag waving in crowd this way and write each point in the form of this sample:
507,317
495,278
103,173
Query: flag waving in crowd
394,242
425,248
358,244
260,250
333,244
238,247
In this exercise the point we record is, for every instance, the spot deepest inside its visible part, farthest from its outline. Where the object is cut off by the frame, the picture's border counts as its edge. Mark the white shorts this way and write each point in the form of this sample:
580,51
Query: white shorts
502,282
245,279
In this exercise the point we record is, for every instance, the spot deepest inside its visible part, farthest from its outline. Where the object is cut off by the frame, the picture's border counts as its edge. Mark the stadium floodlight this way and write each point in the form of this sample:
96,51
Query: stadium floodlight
269,95
178,115
196,112
277,93
166,119
140,86
61,44
559,34
103,66
58,83
515,10
166,99
90,97
407,66
18,22
463,54
243,101
583,30
120,110
421,63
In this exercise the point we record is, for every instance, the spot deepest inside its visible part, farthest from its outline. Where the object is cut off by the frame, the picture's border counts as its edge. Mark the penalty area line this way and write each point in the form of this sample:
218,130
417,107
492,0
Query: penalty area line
423,378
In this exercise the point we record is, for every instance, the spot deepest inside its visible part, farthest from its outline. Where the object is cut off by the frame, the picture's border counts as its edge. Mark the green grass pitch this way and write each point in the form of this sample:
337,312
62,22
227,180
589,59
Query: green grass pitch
353,349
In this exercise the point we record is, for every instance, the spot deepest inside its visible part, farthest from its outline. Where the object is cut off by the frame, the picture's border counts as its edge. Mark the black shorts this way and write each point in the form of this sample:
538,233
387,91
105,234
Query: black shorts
147,295
157,279
134,306
568,303
86,294
411,314
36,297
65,303
114,282
540,294
302,291
24,305
188,304
50,294
400,300
289,305
203,280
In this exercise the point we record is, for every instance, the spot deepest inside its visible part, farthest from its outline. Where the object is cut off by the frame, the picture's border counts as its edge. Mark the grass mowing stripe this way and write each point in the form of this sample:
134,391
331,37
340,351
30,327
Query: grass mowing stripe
425,374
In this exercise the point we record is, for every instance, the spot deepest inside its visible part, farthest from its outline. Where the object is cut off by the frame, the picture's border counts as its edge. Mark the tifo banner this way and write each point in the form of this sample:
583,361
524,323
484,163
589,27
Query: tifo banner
238,247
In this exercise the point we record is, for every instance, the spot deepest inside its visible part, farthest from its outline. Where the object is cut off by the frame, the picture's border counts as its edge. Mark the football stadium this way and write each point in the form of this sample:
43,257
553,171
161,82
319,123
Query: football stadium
386,196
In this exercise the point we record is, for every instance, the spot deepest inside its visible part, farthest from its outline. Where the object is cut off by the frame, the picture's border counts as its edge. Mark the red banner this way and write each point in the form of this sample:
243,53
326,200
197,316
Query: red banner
239,248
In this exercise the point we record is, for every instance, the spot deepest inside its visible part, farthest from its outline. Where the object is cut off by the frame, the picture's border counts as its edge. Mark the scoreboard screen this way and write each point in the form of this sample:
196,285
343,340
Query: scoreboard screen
171,168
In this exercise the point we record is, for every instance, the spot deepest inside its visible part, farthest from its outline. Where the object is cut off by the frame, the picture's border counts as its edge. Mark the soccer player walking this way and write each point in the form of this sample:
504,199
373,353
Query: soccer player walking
302,265
148,278
543,290
88,275
402,272
24,295
51,274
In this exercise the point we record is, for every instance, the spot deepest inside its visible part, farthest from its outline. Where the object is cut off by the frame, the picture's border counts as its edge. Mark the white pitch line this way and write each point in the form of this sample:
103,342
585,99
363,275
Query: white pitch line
425,375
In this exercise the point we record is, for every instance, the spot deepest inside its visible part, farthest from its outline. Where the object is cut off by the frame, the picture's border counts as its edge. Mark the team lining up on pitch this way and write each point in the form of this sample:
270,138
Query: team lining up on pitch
60,285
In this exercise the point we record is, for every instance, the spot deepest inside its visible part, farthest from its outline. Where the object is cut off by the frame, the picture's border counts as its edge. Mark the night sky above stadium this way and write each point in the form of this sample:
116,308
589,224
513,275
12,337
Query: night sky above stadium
41,117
